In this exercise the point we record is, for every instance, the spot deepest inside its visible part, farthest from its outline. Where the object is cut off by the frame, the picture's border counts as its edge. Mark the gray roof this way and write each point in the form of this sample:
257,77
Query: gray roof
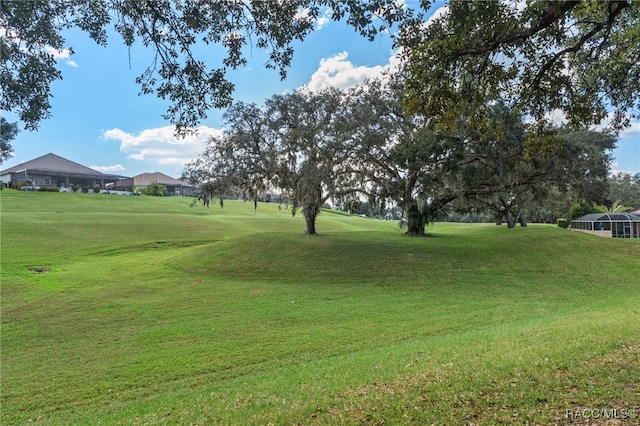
149,178
609,217
52,162
54,165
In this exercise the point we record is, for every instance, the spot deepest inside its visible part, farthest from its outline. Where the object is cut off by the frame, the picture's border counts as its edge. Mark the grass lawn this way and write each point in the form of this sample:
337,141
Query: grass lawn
144,310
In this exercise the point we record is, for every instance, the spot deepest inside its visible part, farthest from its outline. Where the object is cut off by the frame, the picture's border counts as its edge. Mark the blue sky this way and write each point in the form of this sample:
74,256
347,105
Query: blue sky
100,121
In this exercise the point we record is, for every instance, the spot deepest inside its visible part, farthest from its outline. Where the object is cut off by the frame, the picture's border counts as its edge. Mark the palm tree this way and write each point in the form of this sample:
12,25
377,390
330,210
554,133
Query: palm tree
616,207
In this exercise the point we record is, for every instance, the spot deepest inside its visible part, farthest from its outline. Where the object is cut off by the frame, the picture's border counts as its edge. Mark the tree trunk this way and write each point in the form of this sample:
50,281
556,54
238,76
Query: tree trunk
521,214
372,206
415,222
509,217
311,225
506,211
521,218
310,213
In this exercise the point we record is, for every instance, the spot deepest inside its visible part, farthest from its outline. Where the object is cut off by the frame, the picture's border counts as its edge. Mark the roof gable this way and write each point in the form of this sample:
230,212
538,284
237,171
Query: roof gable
52,162
149,178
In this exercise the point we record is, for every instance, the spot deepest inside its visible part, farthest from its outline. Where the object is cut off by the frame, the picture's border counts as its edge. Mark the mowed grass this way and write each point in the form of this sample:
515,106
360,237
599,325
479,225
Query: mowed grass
154,312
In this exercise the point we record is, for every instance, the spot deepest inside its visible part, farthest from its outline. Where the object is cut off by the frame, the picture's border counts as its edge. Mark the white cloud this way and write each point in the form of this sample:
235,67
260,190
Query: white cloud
614,169
439,13
108,169
324,19
161,146
556,117
65,54
633,131
62,54
303,15
336,71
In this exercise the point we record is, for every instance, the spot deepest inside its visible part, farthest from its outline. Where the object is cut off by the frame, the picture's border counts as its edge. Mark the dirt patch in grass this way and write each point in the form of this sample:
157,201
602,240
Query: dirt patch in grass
41,270
154,245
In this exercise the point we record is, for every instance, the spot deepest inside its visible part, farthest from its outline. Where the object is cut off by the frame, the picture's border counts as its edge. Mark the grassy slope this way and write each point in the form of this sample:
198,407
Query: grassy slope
156,312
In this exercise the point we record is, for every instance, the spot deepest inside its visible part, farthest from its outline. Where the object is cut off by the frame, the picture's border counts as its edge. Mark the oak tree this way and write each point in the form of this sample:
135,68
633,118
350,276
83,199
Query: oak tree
293,144
8,132
183,70
398,157
580,57
501,174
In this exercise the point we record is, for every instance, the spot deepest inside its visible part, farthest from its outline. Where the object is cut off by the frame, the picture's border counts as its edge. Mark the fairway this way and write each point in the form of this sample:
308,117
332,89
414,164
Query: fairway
144,310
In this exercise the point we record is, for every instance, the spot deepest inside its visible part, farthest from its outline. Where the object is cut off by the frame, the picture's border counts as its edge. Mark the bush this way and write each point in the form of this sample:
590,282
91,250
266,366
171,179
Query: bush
48,189
85,189
578,210
562,222
74,188
155,189
96,189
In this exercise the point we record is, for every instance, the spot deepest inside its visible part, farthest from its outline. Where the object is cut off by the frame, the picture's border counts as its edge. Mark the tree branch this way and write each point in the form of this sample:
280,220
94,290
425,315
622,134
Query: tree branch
577,46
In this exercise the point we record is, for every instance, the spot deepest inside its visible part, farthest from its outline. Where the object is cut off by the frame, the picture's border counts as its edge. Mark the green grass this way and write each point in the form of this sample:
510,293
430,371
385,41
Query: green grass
155,312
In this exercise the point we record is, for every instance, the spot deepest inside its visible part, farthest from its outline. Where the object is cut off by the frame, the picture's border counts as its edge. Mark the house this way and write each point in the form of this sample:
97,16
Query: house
53,170
174,186
617,225
270,197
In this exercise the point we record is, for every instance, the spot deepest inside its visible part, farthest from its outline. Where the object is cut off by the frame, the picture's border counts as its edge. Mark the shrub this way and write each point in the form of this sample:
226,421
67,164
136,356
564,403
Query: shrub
578,210
74,188
48,189
85,189
96,189
155,189
562,222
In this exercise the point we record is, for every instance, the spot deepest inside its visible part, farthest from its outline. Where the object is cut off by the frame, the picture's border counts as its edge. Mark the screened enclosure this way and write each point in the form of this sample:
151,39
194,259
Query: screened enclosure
616,225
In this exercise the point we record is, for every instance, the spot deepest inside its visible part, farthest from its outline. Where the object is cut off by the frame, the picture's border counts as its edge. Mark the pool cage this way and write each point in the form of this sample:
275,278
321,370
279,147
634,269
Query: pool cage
616,225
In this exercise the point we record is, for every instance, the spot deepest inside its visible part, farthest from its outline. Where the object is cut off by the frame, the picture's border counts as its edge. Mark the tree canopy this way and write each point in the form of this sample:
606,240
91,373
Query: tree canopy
580,57
499,174
294,144
8,132
346,146
625,188
33,30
